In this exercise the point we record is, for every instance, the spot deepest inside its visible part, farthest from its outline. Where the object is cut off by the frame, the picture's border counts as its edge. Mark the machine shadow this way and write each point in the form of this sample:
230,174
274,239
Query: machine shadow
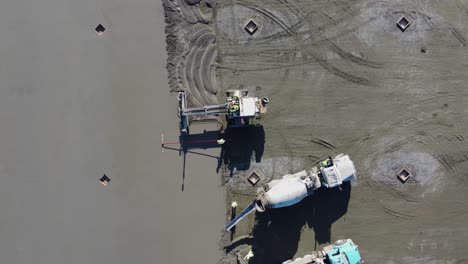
277,232
205,140
240,146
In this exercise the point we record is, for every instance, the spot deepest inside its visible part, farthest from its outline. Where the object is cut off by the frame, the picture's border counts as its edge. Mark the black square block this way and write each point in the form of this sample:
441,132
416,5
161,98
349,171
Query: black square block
403,175
100,29
251,27
403,23
253,178
104,180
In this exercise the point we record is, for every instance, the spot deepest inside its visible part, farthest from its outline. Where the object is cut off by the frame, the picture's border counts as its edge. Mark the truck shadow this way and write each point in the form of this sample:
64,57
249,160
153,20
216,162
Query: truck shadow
277,232
242,143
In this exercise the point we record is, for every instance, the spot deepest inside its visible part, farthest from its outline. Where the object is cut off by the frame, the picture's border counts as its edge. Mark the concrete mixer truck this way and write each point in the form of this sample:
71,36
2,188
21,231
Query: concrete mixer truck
293,188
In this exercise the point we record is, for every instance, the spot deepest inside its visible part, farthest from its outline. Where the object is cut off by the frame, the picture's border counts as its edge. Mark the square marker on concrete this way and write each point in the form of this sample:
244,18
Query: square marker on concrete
105,180
100,29
253,178
403,23
403,175
251,27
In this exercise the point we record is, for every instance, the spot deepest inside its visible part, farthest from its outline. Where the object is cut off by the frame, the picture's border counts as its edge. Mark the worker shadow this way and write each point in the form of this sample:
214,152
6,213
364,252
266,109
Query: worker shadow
243,144
277,232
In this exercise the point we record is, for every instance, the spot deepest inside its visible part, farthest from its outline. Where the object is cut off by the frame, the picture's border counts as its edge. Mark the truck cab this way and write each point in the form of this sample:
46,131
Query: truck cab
340,169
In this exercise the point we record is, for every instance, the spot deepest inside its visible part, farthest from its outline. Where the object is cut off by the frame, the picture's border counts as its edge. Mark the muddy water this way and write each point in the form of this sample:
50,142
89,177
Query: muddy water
74,106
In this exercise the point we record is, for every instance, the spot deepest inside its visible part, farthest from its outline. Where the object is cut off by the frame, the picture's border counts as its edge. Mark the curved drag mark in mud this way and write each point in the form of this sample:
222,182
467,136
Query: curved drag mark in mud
192,51
195,69
192,14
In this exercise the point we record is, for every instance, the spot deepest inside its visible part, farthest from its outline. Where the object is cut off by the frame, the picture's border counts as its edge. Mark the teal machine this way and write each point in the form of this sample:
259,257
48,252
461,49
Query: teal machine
343,251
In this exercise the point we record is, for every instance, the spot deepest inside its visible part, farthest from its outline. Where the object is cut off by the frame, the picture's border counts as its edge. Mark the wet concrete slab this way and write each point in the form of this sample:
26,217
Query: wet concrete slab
74,106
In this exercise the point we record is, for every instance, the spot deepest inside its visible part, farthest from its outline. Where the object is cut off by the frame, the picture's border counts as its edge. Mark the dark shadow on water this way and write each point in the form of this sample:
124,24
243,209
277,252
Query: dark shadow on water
277,232
242,144
205,140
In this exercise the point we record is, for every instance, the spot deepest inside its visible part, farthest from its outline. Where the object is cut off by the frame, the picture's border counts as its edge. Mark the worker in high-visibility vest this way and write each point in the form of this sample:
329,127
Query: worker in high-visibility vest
234,108
249,255
327,163
324,163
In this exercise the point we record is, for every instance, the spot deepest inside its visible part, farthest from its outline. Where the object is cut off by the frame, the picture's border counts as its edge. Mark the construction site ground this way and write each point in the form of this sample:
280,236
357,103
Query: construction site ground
343,78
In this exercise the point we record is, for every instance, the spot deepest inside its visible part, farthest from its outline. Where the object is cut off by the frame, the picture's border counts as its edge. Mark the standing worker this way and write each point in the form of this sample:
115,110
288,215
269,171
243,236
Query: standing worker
249,255
327,163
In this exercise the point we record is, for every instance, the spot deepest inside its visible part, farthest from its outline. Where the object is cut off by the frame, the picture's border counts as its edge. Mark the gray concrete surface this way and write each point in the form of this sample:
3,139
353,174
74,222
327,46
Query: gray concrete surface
74,106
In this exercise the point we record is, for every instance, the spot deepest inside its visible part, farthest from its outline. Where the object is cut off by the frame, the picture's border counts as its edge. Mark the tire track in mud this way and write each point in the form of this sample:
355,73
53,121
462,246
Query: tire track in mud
427,65
265,68
323,143
397,214
288,149
342,53
462,6
323,63
433,134
348,14
371,186
354,59
343,18
399,115
457,35
447,162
